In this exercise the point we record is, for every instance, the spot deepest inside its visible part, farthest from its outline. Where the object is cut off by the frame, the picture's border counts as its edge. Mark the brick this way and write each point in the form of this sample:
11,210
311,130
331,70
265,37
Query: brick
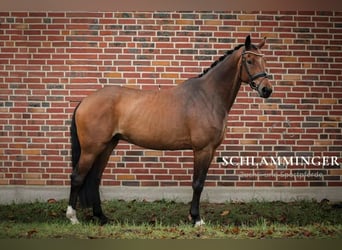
247,17
31,152
125,177
213,22
328,101
113,75
335,172
32,176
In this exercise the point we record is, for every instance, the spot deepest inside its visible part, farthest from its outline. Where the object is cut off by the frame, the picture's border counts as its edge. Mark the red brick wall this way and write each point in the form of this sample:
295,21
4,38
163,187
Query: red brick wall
50,60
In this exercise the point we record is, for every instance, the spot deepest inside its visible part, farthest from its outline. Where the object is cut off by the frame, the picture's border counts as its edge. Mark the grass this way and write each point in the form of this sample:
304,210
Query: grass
168,220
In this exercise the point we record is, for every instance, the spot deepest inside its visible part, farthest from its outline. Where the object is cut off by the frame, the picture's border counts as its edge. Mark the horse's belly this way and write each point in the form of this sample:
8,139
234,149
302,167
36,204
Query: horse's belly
159,139
161,145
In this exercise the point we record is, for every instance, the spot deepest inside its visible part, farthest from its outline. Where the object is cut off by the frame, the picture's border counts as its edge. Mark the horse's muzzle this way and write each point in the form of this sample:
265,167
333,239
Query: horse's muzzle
265,92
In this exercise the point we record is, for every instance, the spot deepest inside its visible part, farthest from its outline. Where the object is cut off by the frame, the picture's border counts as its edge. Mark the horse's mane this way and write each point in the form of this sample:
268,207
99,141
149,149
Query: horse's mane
229,52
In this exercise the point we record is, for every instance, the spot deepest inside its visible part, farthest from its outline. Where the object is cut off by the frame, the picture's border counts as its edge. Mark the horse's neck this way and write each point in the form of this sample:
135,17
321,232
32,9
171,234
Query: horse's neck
225,79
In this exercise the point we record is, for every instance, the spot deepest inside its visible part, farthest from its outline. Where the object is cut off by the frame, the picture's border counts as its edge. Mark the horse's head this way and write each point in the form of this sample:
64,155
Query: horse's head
253,68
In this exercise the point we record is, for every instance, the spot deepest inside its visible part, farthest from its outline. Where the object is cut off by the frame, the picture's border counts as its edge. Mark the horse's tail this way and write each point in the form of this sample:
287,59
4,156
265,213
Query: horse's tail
75,143
89,189
89,192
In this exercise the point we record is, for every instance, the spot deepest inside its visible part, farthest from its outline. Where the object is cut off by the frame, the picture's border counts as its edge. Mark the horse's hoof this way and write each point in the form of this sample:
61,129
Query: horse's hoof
196,223
102,220
71,215
199,223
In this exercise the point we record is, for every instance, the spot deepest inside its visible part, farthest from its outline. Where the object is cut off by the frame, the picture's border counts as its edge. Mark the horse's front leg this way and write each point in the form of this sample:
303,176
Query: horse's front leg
202,160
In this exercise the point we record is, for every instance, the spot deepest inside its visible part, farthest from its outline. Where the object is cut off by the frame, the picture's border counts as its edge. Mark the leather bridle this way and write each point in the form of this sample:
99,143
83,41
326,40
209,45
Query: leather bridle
251,77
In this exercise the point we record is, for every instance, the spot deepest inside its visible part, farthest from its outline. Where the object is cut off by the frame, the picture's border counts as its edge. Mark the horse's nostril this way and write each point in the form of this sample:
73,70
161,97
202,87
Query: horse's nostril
266,92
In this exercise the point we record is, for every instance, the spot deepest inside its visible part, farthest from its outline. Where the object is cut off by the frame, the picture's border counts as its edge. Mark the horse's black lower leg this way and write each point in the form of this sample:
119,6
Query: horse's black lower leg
97,209
101,163
75,186
202,161
76,183
194,209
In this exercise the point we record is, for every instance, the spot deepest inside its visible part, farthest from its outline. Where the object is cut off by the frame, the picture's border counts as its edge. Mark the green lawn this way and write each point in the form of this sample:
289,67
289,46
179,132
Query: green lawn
168,220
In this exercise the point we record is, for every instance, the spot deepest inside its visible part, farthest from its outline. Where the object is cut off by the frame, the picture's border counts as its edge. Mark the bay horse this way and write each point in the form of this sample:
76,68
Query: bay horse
191,115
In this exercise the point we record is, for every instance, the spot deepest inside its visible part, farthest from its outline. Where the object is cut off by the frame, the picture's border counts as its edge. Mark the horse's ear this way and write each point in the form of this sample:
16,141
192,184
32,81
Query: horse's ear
262,43
248,42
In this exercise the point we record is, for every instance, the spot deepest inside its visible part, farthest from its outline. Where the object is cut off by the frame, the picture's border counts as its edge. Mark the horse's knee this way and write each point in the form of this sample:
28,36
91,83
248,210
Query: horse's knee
197,187
76,180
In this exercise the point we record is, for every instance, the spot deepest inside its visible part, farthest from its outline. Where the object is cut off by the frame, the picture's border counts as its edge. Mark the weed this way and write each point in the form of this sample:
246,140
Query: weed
168,220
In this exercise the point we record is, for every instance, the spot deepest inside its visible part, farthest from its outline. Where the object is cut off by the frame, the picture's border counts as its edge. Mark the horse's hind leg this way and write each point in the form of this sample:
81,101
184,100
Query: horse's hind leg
77,178
101,163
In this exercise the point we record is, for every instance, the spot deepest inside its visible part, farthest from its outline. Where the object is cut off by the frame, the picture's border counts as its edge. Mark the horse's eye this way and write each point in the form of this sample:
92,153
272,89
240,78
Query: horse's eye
249,61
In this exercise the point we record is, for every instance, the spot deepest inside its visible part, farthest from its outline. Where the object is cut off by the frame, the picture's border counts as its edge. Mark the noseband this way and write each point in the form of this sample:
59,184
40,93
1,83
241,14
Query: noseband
251,77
